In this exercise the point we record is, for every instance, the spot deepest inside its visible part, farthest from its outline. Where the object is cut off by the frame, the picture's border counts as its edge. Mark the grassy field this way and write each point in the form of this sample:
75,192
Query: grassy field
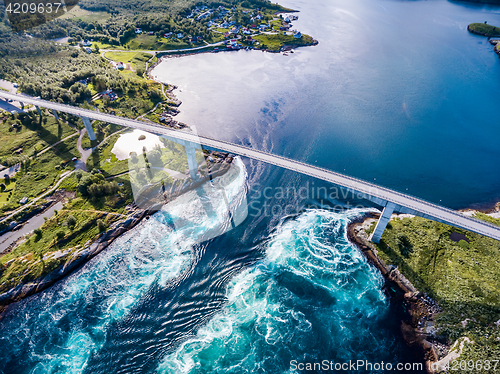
25,262
152,43
136,59
462,276
85,15
42,172
484,29
274,42
29,134
134,103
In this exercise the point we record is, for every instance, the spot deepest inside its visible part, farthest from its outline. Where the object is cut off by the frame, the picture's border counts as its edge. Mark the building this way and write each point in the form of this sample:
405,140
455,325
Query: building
138,30
179,35
298,35
86,43
167,35
24,200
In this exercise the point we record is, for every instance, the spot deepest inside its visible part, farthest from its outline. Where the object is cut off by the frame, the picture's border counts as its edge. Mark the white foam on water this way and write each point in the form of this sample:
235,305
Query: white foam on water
106,289
266,320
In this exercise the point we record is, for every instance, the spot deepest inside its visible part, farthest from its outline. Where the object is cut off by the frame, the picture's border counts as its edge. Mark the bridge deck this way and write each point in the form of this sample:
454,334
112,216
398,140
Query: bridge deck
426,208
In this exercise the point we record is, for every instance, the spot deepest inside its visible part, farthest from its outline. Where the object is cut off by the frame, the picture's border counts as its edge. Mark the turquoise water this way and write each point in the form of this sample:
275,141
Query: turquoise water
163,299
312,297
396,91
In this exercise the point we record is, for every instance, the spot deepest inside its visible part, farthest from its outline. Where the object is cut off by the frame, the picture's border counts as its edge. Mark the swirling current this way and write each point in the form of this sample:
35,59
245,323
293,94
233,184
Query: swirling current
184,292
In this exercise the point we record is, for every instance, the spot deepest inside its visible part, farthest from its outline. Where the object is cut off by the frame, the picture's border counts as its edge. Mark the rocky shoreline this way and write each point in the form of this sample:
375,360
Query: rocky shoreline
135,216
496,43
417,327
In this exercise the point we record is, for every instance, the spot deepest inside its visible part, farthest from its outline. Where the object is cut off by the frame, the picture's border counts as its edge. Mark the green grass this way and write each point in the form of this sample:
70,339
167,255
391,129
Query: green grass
78,13
31,135
134,104
484,29
152,43
487,218
106,45
274,42
44,171
464,278
26,264
136,59
9,187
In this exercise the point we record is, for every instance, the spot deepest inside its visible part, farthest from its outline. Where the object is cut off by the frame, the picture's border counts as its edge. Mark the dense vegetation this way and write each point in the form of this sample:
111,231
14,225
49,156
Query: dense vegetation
462,276
484,29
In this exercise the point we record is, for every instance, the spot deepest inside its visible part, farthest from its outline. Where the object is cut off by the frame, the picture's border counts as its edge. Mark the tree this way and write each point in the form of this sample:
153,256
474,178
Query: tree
71,222
38,234
60,234
2,187
101,225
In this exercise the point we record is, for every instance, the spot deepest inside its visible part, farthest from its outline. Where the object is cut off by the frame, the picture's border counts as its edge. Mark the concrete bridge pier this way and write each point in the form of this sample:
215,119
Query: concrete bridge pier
88,127
38,110
55,114
193,164
382,222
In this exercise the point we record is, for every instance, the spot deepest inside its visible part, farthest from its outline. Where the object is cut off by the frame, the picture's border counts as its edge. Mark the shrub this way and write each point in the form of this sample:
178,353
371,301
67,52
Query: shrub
38,234
71,221
101,225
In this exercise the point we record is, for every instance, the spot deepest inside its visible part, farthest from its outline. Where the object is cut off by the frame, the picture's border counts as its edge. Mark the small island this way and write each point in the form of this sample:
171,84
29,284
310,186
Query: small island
484,29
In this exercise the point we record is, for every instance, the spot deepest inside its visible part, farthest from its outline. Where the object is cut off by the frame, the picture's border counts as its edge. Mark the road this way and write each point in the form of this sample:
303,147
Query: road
167,50
431,210
46,193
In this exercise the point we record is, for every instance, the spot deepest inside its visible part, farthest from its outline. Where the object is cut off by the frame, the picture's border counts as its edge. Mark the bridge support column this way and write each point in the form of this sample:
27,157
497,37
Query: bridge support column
55,114
193,165
382,222
38,110
22,105
88,127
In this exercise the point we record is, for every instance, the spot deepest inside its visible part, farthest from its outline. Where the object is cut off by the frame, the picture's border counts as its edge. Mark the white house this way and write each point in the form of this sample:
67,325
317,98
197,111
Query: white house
179,35
138,30
86,43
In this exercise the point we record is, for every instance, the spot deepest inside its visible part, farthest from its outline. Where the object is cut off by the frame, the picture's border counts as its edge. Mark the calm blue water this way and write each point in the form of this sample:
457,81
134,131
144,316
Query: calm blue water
396,91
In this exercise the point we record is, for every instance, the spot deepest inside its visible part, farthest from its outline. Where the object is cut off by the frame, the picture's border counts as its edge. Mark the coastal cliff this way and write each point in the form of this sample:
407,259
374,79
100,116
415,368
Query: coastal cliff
446,279
421,309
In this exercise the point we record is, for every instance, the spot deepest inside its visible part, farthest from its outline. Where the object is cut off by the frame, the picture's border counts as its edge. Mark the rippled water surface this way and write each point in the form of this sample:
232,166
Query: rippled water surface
236,277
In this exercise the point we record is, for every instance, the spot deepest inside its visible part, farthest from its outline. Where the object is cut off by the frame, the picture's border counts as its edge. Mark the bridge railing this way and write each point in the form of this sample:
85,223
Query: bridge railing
373,189
366,183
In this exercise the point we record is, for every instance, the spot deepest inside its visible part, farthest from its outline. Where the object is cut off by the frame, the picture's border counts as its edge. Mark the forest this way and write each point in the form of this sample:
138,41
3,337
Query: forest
53,71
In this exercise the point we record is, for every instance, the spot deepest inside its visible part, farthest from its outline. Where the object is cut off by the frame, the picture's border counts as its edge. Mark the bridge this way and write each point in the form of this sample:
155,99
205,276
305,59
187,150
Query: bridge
390,200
